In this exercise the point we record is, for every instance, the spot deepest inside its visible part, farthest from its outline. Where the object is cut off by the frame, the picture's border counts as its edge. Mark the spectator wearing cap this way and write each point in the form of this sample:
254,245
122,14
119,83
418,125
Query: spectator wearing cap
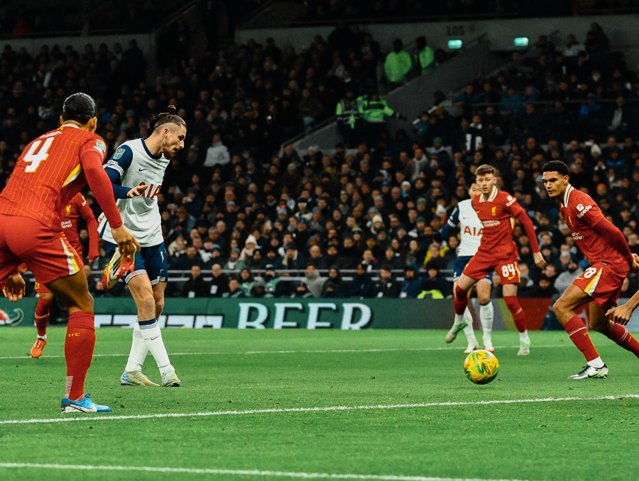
258,289
334,285
362,285
195,286
234,289
411,285
234,263
219,282
274,286
386,286
292,260
250,246
565,279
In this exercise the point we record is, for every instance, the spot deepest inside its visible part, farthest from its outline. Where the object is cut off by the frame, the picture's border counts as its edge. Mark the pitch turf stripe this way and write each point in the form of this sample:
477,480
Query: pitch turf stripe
301,351
318,409
237,472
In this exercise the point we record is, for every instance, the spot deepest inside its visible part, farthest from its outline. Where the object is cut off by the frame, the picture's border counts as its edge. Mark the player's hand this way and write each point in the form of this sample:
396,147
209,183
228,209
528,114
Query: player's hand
127,243
137,190
14,288
539,260
620,314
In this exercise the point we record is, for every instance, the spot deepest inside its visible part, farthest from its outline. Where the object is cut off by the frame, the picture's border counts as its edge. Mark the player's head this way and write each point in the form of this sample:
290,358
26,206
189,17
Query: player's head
474,189
485,178
80,108
556,177
170,128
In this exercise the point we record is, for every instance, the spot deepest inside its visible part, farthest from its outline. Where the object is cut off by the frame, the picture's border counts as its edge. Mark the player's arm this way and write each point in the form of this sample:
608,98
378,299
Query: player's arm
115,168
92,228
91,160
450,225
612,234
520,215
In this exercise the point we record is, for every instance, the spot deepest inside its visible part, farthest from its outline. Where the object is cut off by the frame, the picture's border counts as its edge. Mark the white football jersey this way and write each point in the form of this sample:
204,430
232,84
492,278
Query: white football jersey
141,215
470,228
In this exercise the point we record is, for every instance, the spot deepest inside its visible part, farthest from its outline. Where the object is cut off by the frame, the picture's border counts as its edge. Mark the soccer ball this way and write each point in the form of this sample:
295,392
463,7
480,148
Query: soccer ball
481,367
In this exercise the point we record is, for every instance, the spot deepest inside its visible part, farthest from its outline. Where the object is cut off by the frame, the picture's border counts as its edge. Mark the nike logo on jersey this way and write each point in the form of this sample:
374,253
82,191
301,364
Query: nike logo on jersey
141,169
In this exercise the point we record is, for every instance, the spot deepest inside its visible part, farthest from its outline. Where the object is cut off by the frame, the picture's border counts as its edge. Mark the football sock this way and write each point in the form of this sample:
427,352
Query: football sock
138,351
621,336
519,316
42,315
78,351
523,336
486,316
579,336
153,338
460,300
468,330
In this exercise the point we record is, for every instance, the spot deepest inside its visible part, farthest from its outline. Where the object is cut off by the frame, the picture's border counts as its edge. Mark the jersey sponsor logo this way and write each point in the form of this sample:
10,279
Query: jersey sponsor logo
66,224
118,153
152,191
577,235
491,223
101,146
472,231
583,210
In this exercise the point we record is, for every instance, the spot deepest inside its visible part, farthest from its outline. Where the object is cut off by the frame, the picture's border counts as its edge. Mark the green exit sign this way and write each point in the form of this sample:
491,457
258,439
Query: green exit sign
455,44
521,41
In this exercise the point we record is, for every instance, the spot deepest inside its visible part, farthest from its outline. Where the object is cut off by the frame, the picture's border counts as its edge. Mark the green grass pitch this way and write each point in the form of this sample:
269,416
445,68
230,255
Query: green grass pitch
581,438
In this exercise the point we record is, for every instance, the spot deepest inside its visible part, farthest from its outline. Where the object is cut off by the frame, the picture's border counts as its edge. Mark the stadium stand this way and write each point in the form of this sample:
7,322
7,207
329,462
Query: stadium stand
235,199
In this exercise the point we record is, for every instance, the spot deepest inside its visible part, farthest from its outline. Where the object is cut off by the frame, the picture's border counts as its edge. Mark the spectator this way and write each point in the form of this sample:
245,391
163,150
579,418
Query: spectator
362,285
217,153
219,281
234,291
425,56
312,280
292,259
386,286
411,286
434,286
334,285
246,281
398,64
195,285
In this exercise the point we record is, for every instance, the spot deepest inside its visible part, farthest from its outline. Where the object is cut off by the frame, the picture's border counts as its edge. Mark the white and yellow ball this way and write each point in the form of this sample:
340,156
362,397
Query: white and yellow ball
481,366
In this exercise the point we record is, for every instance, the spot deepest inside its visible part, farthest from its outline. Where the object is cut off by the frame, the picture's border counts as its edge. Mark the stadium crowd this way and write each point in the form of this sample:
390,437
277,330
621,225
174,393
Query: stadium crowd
246,218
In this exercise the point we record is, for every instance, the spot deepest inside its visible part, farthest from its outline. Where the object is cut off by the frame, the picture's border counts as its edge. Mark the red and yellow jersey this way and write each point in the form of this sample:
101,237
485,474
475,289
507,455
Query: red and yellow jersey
495,213
78,208
581,213
48,174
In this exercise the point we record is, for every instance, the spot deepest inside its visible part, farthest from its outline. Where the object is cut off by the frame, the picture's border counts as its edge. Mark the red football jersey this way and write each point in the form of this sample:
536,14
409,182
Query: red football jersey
78,208
48,174
581,213
495,214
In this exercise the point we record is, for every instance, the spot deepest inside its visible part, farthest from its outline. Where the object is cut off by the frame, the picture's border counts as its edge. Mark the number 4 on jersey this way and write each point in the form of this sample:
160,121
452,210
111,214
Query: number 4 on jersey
37,153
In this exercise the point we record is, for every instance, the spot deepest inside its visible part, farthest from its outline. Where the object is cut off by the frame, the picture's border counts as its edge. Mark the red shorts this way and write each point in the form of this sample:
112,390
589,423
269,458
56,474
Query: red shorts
603,283
41,288
483,264
46,253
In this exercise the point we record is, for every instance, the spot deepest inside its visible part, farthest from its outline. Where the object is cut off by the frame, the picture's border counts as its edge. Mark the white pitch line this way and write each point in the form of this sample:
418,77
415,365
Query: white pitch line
293,351
315,409
238,472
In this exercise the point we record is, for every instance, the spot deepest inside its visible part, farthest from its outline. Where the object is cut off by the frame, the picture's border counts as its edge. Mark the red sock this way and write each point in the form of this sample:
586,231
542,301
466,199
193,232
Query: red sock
460,300
42,314
519,316
78,351
579,336
621,336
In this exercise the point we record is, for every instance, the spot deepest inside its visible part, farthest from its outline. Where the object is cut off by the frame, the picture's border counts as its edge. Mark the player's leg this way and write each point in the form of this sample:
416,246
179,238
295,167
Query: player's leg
462,287
57,265
169,377
41,319
486,312
612,330
565,309
519,317
142,292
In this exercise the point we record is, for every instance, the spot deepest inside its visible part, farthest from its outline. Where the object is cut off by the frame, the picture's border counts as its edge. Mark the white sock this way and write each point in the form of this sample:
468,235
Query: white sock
44,338
153,339
596,362
523,336
138,351
459,318
468,330
486,317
